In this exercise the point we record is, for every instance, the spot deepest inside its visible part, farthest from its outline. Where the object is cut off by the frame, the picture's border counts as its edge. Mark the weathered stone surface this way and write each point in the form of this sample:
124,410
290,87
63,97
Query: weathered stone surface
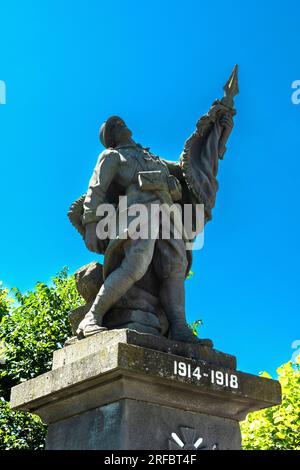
77,315
107,339
105,393
135,366
138,320
138,298
131,424
88,280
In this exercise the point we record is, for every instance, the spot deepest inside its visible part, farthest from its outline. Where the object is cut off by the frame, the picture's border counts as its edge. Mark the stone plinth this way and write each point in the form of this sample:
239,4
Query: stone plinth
124,390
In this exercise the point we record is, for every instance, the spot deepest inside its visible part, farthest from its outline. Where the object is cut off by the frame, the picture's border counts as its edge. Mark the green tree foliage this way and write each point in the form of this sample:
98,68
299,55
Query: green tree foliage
32,326
4,301
20,430
277,428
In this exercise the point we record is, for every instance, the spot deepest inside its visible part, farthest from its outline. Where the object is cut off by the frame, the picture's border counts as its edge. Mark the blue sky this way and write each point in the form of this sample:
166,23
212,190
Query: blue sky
68,65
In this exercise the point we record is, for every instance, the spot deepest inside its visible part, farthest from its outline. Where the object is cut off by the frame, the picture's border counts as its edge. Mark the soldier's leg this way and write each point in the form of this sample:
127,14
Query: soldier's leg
138,255
170,263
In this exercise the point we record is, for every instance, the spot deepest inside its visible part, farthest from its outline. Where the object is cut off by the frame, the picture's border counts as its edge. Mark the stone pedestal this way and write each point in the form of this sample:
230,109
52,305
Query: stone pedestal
124,390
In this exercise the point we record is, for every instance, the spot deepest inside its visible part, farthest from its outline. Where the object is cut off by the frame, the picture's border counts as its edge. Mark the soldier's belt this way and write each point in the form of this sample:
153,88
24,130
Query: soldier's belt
157,181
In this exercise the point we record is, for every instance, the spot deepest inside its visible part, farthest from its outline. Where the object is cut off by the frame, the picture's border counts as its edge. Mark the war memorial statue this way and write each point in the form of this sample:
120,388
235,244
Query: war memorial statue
134,376
155,266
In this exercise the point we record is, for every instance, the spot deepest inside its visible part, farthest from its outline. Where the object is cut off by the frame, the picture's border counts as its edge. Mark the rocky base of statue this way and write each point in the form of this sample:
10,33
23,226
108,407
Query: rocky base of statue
123,390
139,309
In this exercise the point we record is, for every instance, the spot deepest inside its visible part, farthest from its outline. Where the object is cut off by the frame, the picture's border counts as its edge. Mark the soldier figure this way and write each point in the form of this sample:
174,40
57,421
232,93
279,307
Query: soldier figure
127,169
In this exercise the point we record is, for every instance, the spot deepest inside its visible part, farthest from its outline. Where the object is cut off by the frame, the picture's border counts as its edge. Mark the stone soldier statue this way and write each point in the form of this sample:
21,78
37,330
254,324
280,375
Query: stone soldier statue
125,168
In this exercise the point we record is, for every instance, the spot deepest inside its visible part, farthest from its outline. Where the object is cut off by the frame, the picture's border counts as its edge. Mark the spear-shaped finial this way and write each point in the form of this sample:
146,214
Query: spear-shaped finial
231,89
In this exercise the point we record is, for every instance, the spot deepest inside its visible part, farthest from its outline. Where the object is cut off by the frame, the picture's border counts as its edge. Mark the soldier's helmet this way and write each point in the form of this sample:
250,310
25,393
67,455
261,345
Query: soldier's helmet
107,130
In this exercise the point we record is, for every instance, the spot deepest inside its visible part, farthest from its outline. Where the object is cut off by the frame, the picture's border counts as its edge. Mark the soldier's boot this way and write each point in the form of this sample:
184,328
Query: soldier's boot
179,329
91,324
112,289
173,302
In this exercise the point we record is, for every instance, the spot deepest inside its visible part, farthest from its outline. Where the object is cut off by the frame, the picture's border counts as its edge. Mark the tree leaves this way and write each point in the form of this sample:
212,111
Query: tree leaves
31,328
277,428
20,430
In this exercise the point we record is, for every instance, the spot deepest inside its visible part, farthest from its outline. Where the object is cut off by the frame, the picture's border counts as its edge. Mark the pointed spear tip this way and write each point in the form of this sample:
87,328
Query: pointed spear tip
235,72
231,87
